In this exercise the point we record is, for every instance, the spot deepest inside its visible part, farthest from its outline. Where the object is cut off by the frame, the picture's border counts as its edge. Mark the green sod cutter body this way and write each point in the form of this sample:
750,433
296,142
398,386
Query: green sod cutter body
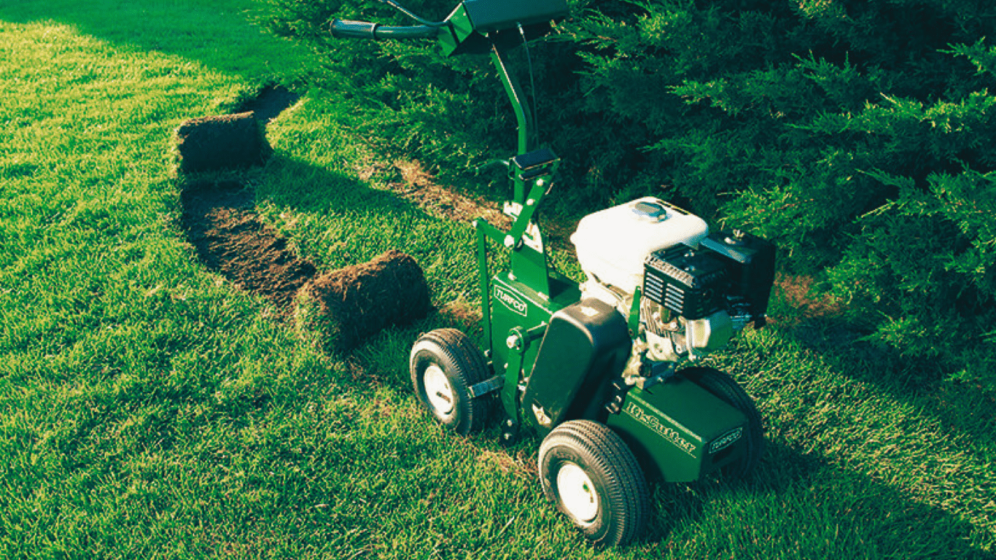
604,370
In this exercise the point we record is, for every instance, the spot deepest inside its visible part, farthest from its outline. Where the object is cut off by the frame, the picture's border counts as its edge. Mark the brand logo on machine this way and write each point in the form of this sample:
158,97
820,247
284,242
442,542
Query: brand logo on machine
654,423
510,301
726,441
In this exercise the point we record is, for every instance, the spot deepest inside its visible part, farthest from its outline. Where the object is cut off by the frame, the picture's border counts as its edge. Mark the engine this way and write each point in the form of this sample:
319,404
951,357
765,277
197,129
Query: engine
693,291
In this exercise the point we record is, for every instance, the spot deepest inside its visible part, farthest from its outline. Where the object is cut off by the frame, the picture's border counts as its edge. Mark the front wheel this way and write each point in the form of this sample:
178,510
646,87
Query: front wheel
444,364
591,475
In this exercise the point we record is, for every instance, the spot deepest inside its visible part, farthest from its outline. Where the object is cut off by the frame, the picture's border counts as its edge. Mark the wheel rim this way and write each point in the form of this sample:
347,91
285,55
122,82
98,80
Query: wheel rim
577,493
438,390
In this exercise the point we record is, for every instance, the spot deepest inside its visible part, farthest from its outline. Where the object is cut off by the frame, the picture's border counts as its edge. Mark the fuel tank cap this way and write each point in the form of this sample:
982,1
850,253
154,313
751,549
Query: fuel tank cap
650,211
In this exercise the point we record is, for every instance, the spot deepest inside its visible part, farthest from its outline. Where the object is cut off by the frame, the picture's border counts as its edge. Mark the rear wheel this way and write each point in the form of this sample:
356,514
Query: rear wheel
723,386
444,364
591,475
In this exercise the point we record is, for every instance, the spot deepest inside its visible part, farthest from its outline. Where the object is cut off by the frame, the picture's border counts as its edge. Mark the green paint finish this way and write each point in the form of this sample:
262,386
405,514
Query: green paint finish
523,117
698,434
459,30
516,305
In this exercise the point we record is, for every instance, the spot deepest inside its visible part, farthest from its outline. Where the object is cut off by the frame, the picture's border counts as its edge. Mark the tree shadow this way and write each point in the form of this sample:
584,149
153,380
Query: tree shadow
960,407
799,505
217,34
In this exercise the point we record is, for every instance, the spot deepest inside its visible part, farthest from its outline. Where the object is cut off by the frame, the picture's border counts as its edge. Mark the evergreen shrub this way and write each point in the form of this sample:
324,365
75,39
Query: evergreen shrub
856,135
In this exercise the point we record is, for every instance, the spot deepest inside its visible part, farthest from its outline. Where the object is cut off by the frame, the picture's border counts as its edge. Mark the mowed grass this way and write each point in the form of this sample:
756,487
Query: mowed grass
150,409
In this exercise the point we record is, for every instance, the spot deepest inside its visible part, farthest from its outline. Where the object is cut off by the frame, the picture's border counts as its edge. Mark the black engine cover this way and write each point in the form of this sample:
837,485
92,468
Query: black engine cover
584,348
687,281
731,271
750,262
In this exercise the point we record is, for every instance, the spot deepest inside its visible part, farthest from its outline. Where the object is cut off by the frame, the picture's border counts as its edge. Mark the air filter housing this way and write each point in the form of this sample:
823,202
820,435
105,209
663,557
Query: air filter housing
687,281
730,271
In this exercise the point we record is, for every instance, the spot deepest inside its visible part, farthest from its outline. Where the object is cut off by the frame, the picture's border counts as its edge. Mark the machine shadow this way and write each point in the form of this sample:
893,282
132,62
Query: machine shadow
837,513
830,506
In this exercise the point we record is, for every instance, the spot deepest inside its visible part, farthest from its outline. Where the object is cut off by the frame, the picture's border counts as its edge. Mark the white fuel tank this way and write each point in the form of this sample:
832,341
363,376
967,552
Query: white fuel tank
613,244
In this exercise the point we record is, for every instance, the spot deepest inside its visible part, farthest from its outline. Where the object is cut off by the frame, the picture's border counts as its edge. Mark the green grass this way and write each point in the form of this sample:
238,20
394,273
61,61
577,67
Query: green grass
149,409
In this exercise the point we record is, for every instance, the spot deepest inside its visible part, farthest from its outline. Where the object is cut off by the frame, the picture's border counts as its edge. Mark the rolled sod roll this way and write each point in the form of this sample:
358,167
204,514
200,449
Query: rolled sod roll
220,142
353,303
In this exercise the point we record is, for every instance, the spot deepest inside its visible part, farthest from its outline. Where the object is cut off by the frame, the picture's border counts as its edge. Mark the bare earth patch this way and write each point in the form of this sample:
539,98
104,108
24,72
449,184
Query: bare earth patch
221,223
418,187
797,293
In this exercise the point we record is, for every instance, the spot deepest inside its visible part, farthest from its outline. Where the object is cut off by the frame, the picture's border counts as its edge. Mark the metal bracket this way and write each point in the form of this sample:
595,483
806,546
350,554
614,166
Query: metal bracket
660,372
486,387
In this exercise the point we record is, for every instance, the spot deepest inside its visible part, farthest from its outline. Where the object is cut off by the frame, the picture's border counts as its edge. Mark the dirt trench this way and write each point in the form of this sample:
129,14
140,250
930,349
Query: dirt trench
220,220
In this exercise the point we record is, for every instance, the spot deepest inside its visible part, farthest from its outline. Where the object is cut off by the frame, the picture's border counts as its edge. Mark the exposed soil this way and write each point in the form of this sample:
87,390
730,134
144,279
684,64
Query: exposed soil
219,217
418,187
221,223
796,290
269,102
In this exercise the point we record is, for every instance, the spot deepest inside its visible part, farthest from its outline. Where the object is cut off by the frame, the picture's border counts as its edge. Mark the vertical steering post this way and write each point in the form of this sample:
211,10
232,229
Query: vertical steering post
523,117
483,228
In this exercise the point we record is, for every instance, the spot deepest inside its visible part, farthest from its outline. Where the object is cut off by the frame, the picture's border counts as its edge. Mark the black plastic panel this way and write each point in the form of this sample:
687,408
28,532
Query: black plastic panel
495,15
690,282
584,348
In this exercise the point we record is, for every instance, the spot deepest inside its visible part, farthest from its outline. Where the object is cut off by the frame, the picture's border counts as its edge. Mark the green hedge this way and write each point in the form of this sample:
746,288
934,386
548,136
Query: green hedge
856,135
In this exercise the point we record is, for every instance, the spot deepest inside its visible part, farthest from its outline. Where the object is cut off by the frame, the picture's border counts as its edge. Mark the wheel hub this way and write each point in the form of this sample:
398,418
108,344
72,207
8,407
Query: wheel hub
577,493
438,390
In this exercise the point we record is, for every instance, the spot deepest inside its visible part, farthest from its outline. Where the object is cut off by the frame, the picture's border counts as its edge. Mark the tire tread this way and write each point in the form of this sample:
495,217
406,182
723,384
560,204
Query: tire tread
468,366
604,448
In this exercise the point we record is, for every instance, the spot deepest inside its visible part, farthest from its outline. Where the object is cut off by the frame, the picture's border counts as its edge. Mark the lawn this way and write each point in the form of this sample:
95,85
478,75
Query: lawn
149,408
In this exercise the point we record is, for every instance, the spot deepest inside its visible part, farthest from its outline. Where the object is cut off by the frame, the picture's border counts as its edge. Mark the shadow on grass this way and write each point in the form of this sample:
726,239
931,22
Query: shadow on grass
795,502
304,187
962,408
218,34
798,505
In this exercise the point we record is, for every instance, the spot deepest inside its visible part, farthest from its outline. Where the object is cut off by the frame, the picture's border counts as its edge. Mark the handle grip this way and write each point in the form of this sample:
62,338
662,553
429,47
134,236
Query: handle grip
345,29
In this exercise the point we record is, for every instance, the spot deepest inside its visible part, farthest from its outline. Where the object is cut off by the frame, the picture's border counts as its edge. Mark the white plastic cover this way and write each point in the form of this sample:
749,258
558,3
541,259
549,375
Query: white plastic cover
613,244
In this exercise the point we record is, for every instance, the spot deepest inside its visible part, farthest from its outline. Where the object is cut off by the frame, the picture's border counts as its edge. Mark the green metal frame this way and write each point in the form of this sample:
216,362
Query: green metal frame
529,283
665,425
529,263
529,277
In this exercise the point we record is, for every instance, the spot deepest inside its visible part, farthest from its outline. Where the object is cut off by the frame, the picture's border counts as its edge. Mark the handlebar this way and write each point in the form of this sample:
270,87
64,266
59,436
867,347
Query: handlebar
345,29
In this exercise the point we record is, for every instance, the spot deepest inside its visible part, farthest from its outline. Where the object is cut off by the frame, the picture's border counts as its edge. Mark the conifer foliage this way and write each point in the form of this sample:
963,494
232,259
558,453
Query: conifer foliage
859,136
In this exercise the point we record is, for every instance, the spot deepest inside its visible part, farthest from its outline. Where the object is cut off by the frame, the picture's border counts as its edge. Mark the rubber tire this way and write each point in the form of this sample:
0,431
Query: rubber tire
723,386
619,482
464,365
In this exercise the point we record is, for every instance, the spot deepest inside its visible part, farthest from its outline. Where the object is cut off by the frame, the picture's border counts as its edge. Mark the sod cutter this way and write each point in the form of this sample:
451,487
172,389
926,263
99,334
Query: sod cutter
605,370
